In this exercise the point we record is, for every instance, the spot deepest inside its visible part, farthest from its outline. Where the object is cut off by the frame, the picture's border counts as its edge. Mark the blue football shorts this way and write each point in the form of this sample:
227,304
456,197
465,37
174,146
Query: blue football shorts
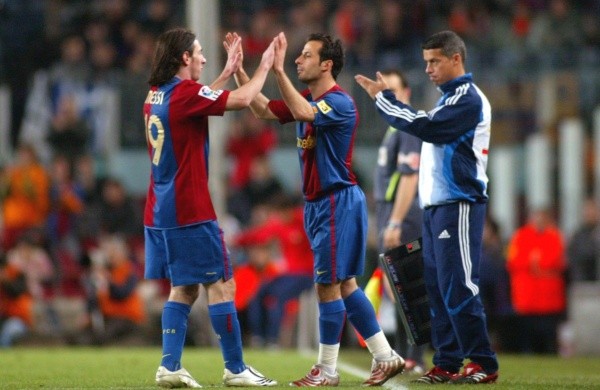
336,226
187,255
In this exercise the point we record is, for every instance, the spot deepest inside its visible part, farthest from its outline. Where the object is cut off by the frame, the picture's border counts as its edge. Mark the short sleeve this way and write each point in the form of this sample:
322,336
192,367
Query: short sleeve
281,111
332,109
196,99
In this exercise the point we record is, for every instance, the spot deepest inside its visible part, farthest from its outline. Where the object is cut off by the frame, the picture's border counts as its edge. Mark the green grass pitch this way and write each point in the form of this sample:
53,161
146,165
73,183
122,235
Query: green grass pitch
134,368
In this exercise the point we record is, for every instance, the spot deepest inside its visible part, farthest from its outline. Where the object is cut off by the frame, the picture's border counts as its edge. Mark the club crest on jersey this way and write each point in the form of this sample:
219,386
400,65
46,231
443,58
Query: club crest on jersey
323,107
306,143
209,93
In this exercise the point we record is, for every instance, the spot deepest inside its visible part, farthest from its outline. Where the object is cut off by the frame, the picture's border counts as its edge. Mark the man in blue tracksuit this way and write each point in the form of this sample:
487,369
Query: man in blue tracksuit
453,193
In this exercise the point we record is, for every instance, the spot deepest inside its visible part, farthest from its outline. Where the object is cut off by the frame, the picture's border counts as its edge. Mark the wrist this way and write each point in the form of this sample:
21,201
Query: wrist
393,225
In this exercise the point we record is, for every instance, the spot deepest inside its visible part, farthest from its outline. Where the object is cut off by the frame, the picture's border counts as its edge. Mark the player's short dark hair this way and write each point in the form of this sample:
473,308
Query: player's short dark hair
331,50
449,42
168,55
396,72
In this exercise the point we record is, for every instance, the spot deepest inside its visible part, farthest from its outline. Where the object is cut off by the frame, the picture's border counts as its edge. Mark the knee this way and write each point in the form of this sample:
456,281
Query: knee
348,287
185,294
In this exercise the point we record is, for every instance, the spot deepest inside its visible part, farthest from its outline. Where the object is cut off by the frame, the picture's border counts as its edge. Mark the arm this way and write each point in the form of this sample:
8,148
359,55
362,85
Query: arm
405,194
243,96
298,105
260,104
443,124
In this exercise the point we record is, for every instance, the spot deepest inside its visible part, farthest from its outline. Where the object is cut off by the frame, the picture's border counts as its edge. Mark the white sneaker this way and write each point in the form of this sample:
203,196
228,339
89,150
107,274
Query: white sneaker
175,379
248,377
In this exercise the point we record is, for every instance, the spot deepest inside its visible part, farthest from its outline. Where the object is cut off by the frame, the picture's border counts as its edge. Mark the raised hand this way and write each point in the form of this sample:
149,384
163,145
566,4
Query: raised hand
235,54
268,56
372,87
280,49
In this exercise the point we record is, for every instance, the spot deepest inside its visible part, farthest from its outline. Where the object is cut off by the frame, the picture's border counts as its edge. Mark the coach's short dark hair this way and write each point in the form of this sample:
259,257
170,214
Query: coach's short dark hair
331,50
449,42
168,55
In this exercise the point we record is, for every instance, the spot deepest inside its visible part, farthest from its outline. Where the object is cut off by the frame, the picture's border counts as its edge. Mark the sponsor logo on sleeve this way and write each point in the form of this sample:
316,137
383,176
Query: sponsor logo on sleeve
209,93
323,107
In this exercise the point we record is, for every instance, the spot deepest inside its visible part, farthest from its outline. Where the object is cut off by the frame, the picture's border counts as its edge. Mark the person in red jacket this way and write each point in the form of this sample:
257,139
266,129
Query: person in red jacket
536,265
285,226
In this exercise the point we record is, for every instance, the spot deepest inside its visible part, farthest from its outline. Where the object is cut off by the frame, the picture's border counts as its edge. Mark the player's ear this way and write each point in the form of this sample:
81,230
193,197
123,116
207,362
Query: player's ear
327,65
186,58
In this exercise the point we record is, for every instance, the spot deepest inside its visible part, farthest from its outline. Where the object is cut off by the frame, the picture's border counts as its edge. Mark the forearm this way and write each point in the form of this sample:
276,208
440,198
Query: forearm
298,105
405,195
220,81
260,104
243,96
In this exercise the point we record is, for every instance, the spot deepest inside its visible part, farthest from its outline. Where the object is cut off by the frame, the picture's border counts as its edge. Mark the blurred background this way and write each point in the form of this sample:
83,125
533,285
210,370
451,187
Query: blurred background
75,171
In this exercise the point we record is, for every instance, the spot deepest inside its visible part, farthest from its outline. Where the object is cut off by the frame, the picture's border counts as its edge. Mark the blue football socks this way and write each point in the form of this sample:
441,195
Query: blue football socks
174,326
223,317
332,316
361,314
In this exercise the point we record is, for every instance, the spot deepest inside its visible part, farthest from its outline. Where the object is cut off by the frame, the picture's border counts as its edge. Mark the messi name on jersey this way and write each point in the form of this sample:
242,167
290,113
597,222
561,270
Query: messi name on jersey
155,97
306,143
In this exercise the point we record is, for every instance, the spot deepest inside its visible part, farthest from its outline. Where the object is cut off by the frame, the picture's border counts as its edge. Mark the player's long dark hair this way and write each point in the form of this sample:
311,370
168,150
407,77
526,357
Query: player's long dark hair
449,42
168,55
331,50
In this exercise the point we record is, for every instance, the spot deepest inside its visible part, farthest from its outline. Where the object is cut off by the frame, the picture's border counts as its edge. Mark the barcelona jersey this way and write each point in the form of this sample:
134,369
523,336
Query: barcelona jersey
176,116
324,145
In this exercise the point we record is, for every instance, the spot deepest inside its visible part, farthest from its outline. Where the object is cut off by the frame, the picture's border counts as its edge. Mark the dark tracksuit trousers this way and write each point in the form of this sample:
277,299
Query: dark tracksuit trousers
452,240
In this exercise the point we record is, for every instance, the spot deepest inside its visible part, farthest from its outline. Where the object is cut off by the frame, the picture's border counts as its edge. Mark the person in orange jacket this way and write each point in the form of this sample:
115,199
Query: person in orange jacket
24,190
536,264
16,303
115,280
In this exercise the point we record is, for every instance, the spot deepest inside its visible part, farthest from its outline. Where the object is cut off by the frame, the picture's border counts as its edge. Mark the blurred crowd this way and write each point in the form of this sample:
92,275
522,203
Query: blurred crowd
72,250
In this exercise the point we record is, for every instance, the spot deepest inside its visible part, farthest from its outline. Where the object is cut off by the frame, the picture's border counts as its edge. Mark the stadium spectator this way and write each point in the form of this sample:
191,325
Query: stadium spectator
16,303
66,202
179,217
536,264
24,192
69,134
68,76
34,261
257,269
116,282
285,227
262,186
119,213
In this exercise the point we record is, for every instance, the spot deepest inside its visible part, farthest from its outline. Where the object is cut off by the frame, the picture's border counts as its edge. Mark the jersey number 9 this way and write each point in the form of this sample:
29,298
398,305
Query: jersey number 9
155,142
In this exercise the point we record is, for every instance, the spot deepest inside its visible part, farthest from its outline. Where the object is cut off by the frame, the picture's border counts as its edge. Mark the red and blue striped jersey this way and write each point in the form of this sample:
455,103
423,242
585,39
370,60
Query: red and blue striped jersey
176,116
325,145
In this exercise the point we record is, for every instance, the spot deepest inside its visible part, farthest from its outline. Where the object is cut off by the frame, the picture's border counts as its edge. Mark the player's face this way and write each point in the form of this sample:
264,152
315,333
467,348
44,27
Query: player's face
440,68
308,63
402,93
197,61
